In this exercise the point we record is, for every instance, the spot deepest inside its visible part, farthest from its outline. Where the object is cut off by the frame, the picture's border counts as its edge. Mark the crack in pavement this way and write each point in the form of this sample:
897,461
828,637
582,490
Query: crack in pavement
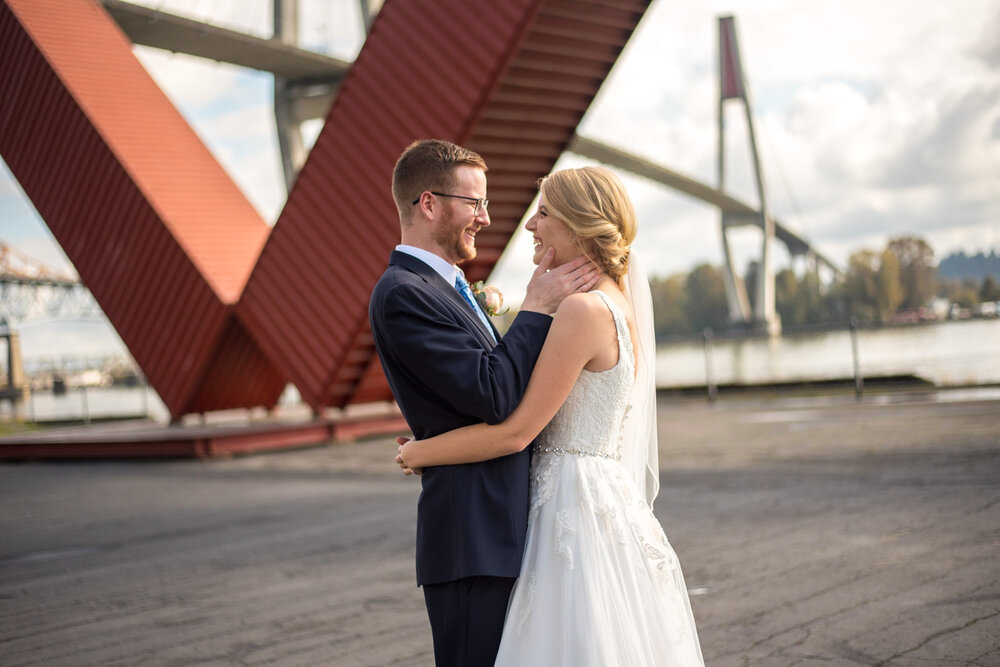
934,636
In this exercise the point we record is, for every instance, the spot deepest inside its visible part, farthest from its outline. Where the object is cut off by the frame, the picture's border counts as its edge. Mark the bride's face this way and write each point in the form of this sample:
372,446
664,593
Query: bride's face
549,231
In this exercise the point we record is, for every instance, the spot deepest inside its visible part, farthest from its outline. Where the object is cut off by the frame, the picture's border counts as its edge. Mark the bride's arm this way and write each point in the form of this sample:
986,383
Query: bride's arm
577,334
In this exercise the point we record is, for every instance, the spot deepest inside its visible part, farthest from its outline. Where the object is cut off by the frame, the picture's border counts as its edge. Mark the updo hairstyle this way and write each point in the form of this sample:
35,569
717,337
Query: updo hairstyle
595,206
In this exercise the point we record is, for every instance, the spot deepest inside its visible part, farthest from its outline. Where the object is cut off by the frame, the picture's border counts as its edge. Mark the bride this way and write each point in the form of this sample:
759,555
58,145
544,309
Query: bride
599,584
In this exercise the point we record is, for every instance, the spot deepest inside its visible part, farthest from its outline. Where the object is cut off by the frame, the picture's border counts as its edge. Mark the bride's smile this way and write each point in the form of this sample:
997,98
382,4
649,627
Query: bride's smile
548,231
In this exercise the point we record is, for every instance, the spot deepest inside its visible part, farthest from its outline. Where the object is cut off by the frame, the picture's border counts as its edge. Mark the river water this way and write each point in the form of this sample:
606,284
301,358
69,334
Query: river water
948,354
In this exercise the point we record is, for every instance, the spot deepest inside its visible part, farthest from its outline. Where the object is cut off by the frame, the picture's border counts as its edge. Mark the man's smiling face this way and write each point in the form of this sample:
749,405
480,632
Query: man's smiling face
459,223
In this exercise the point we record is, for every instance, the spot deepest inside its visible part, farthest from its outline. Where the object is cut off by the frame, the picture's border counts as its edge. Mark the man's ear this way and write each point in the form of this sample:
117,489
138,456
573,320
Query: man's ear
425,206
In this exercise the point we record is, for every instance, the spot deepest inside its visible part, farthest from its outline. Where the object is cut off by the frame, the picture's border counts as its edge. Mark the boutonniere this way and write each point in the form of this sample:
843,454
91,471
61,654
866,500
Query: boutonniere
489,298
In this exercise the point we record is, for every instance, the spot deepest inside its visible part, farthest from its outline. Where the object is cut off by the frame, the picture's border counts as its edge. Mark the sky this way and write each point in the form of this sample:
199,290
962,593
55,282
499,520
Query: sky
873,120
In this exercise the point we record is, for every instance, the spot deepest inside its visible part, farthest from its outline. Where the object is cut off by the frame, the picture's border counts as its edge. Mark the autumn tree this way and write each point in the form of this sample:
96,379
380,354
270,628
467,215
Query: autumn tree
963,293
888,289
989,290
819,306
669,298
860,285
787,300
917,270
873,288
750,278
966,294
800,300
706,304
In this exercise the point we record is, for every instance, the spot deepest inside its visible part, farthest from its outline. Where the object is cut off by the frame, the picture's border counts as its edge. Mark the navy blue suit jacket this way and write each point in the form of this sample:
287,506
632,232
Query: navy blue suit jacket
446,372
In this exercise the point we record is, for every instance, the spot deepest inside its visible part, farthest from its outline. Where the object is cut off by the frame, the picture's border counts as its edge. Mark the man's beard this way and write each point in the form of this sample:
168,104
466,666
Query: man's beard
450,238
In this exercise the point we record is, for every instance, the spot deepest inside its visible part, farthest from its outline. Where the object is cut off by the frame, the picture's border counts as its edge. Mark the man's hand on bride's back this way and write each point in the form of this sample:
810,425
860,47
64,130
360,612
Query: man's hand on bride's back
548,287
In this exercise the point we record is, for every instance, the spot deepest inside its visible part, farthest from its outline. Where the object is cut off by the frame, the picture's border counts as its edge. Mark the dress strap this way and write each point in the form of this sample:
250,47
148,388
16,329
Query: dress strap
621,326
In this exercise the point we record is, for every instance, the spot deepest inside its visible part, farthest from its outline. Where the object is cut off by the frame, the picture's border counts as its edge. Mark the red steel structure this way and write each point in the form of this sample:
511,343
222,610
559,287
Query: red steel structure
155,227
217,311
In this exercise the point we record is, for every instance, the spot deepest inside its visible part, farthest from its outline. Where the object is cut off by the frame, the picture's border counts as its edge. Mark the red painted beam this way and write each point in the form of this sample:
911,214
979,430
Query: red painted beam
171,249
155,227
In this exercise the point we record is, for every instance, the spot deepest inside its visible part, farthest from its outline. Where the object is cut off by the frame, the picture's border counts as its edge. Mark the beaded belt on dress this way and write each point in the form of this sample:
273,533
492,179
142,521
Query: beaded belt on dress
617,456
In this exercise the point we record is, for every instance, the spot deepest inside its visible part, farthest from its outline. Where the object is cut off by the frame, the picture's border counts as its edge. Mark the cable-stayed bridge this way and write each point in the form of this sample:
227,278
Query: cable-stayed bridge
306,83
240,308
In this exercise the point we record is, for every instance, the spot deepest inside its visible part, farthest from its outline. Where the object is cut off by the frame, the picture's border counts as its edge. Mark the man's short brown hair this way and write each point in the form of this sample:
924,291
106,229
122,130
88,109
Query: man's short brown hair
428,164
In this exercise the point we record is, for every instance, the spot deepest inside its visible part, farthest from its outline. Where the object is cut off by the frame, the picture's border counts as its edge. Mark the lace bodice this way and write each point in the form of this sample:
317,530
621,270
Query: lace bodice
589,423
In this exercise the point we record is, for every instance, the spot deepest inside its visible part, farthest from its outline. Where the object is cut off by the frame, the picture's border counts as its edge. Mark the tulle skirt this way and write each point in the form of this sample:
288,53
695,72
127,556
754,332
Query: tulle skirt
600,584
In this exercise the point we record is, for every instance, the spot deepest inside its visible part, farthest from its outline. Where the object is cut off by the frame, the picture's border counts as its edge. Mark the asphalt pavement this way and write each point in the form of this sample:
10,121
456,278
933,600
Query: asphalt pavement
811,530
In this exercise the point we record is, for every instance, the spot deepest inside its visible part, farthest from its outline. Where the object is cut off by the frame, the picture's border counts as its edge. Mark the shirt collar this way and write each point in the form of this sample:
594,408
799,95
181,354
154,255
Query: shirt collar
440,266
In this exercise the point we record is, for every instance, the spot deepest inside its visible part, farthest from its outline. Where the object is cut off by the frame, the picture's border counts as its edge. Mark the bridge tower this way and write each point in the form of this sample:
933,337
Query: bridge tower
14,388
302,97
288,124
733,86
762,316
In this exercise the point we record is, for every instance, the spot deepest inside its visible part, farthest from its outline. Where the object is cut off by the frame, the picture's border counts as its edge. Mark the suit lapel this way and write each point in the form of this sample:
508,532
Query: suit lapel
440,285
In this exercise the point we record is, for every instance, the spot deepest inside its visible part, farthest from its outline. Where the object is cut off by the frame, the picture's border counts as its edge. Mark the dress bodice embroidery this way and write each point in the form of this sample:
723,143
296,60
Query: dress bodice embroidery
590,422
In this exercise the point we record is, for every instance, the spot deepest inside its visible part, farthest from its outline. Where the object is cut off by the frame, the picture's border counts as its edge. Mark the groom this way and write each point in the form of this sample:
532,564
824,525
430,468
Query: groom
447,368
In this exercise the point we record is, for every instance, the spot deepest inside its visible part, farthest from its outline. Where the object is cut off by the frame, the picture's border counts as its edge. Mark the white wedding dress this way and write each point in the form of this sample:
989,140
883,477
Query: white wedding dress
600,584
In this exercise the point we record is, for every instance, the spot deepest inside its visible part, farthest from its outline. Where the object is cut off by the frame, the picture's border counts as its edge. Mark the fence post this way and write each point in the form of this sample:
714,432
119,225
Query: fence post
713,390
859,381
86,406
144,387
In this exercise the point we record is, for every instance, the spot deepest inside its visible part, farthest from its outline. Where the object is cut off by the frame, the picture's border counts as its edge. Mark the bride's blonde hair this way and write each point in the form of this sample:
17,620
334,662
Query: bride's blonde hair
595,206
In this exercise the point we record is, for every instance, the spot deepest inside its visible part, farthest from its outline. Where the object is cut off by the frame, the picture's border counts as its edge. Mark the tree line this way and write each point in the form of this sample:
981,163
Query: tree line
900,282
958,265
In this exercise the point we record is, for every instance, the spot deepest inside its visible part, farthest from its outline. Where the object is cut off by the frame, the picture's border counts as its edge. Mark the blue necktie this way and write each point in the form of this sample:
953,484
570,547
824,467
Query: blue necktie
463,288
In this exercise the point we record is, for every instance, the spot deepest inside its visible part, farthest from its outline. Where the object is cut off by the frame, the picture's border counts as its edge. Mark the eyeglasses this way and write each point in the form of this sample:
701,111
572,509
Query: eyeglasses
481,204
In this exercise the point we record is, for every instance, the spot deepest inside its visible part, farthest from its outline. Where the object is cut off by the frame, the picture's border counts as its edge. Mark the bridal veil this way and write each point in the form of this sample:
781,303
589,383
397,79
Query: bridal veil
639,443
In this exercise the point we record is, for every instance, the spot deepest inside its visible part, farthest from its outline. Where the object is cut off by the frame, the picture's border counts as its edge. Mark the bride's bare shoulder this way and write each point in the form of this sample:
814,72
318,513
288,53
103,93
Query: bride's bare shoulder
583,305
584,316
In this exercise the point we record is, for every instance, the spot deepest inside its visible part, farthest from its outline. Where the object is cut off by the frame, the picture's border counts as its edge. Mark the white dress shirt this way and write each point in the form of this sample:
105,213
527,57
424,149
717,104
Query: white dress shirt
441,266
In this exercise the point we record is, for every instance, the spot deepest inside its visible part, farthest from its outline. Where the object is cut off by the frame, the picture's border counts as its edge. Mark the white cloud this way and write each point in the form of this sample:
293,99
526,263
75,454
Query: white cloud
250,16
193,84
873,119
865,112
8,186
231,109
245,143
